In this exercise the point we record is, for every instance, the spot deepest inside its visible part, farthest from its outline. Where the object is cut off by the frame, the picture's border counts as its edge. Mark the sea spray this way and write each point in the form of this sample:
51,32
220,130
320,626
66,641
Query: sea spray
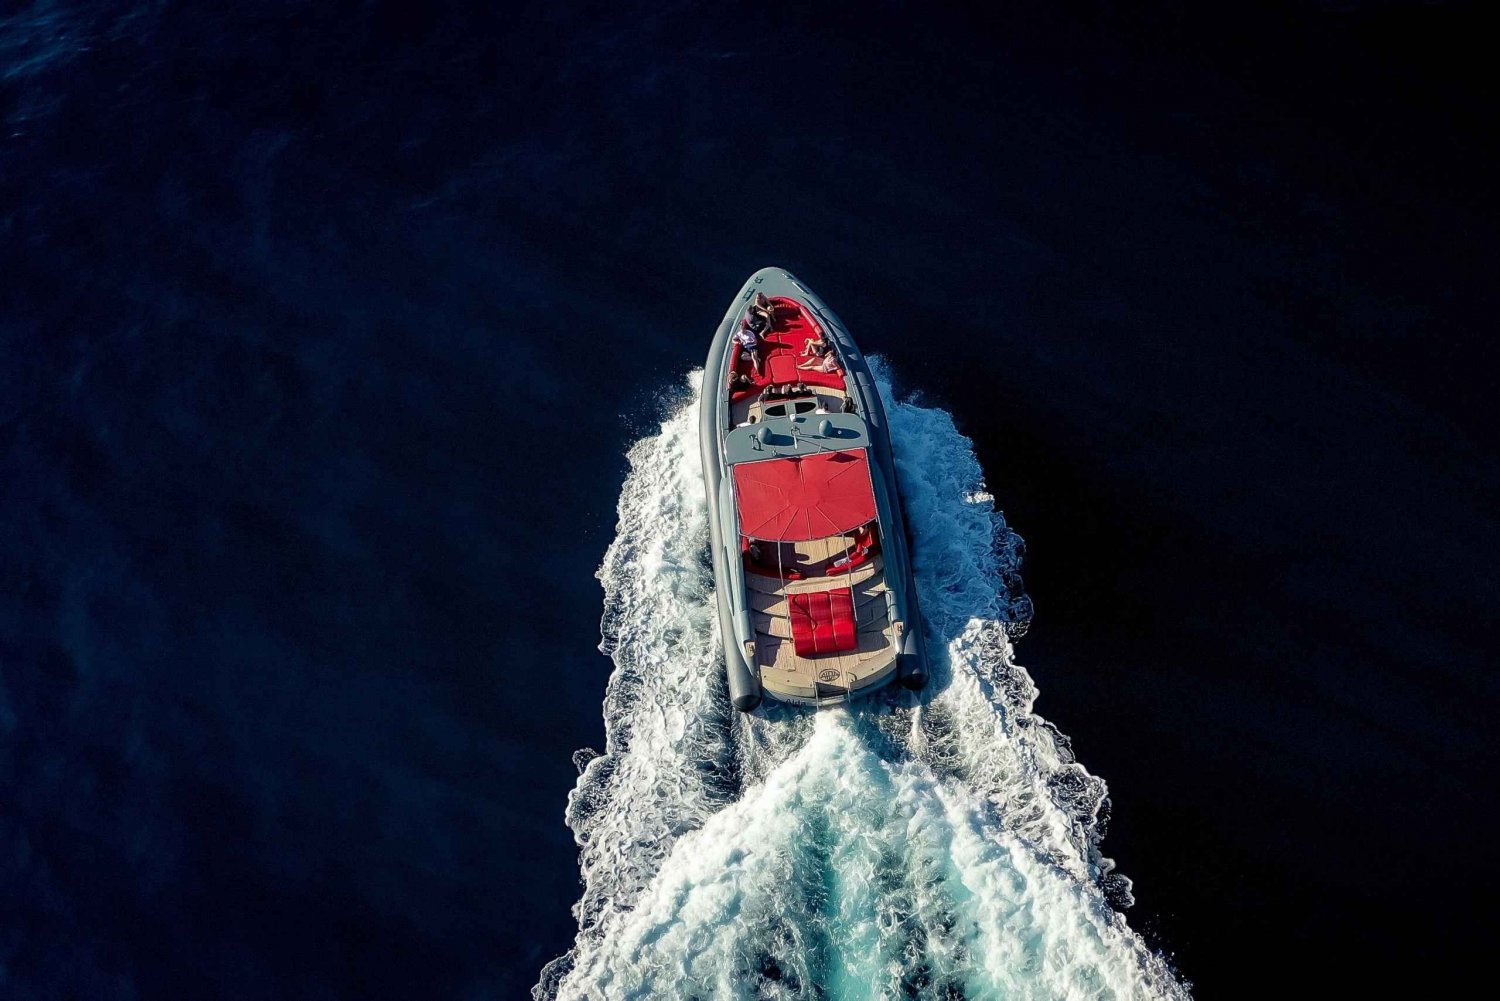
942,844
977,723
846,875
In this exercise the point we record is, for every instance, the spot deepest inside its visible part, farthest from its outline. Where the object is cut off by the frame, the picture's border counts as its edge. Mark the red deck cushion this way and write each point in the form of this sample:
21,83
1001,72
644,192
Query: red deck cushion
783,352
823,621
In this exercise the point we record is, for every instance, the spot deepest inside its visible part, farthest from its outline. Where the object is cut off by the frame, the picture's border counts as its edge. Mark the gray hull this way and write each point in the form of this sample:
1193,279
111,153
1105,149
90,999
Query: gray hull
735,626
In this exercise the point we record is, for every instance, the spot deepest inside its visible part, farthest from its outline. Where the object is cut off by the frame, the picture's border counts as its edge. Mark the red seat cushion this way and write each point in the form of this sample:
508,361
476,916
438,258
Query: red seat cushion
844,564
823,621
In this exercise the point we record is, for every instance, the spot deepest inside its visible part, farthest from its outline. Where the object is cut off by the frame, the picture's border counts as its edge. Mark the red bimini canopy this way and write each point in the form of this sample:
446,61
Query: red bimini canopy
811,497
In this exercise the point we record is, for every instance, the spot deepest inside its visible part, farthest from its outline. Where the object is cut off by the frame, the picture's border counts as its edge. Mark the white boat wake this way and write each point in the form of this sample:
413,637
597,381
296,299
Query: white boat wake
941,844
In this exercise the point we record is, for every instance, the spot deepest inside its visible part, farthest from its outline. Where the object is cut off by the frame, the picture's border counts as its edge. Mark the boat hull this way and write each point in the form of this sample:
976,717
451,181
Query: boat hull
735,626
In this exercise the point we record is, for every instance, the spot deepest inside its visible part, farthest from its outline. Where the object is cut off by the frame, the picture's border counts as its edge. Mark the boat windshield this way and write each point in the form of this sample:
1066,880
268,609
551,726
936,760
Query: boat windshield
790,407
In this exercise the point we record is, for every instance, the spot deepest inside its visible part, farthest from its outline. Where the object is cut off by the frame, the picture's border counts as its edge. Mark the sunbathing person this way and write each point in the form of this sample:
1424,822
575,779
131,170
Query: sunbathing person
818,346
828,363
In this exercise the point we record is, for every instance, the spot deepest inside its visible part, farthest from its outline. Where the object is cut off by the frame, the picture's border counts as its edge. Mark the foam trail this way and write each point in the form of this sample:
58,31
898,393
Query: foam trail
933,845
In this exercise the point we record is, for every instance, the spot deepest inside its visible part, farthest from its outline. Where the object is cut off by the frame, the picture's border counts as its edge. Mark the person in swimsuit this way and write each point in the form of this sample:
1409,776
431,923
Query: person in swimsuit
823,359
828,363
817,347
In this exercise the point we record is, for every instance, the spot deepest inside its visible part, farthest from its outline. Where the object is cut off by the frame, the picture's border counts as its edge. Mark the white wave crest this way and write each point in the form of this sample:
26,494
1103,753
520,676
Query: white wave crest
942,844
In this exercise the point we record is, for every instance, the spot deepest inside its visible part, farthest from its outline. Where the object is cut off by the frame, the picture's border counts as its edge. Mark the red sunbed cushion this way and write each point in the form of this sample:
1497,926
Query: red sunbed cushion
823,621
783,353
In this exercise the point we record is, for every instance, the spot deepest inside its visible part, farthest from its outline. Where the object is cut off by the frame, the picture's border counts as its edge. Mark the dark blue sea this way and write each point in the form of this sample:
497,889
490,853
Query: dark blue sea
327,329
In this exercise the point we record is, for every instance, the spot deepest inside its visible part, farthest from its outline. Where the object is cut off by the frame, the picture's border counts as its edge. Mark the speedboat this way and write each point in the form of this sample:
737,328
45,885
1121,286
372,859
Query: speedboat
810,551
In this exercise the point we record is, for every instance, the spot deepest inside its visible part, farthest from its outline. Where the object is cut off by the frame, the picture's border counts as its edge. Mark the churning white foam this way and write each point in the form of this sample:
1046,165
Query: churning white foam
941,844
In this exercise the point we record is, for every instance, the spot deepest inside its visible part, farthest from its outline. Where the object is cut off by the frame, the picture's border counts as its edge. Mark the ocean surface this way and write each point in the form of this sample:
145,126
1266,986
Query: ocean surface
347,380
